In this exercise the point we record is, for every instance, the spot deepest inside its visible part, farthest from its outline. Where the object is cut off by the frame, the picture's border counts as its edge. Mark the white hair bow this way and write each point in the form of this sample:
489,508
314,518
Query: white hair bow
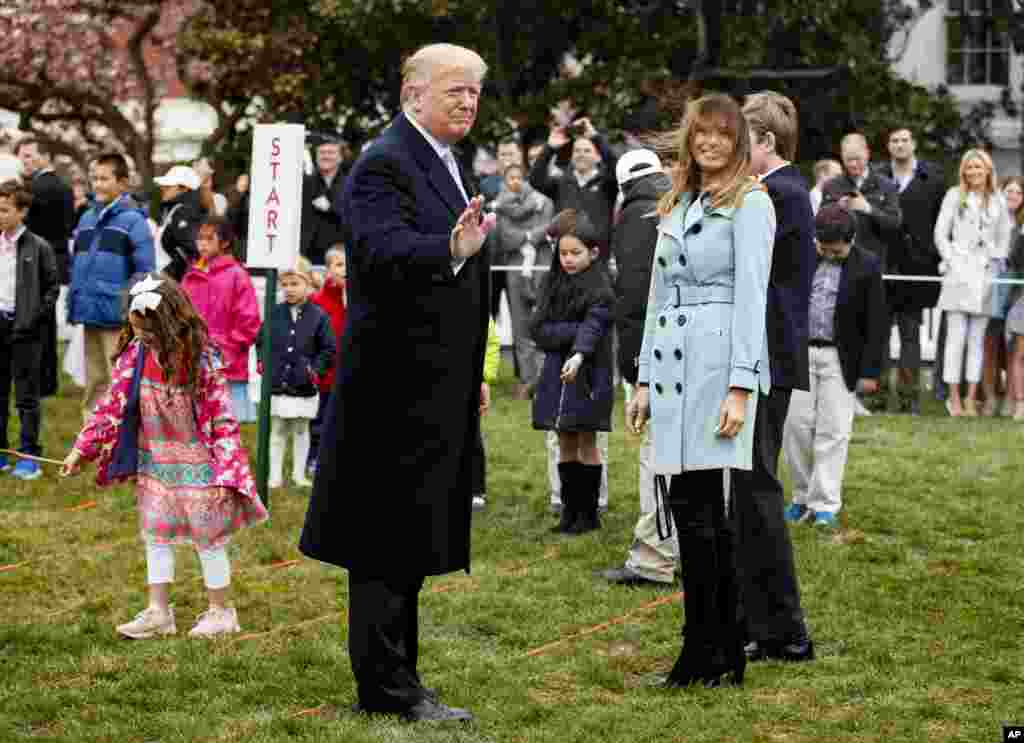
144,296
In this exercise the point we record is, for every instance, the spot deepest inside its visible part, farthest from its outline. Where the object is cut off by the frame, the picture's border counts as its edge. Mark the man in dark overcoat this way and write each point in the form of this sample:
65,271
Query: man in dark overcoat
404,415
322,221
875,202
922,186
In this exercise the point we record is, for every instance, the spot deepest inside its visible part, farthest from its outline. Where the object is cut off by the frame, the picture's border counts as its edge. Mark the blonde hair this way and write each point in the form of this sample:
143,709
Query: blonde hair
302,269
990,181
1018,180
773,112
713,110
335,251
432,60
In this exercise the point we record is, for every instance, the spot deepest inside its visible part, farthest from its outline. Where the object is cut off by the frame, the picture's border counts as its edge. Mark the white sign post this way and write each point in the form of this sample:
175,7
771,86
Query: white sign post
275,195
275,225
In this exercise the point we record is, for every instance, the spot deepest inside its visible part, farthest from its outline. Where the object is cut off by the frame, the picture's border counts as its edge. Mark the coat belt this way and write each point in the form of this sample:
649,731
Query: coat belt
688,294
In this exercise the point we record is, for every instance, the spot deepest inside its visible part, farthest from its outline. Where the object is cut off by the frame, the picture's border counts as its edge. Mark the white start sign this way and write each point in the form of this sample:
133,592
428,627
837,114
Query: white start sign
275,195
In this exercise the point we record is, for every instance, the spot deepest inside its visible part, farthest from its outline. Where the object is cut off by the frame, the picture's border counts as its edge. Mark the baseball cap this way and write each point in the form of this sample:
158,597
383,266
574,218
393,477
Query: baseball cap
179,175
636,163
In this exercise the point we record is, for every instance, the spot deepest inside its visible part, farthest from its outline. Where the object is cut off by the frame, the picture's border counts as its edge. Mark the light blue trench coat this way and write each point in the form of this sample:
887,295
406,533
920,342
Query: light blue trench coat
705,330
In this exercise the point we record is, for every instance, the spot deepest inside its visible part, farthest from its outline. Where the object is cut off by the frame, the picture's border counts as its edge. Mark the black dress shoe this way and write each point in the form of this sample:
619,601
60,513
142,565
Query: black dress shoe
625,577
430,710
796,651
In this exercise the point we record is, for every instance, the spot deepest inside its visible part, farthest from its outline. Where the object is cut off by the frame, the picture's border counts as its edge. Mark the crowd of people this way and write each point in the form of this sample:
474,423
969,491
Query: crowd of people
745,313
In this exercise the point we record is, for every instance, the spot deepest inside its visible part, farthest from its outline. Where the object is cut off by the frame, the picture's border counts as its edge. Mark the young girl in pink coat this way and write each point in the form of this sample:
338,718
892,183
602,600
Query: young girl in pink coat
166,424
223,294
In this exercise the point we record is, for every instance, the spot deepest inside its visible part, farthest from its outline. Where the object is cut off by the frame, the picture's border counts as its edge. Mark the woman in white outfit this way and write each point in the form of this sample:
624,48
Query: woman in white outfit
972,235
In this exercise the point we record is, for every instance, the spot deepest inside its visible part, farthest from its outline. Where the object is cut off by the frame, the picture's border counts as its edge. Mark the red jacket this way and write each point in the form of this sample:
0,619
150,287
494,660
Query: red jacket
224,296
331,300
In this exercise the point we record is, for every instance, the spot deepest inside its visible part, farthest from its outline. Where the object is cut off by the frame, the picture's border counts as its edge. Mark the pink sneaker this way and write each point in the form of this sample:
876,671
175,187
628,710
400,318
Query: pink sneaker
216,621
149,622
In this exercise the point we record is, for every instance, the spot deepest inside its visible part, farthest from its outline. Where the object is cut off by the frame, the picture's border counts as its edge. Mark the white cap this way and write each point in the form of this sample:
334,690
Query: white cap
636,163
179,175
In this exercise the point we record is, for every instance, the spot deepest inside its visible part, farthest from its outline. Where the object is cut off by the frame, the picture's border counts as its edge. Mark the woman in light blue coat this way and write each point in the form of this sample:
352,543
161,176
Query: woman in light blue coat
703,362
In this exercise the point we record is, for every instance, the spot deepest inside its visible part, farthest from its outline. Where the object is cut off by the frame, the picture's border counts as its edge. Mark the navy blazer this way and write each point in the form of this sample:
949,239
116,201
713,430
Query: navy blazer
861,324
789,288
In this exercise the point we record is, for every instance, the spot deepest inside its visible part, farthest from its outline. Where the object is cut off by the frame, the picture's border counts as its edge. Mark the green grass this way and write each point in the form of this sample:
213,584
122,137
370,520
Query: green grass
916,606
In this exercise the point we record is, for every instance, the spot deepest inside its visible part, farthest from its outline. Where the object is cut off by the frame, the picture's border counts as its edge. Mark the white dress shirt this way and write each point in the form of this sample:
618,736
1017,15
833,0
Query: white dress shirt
9,269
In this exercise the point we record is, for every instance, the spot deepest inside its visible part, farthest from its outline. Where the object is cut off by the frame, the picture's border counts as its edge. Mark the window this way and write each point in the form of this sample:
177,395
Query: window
977,44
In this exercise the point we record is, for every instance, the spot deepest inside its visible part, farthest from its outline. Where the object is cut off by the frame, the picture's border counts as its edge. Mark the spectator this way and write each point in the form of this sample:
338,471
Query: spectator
1013,190
849,328
112,243
29,287
973,235
333,300
238,213
921,187
519,240
223,295
589,187
875,202
652,557
303,348
80,192
487,170
824,171
178,220
321,204
575,393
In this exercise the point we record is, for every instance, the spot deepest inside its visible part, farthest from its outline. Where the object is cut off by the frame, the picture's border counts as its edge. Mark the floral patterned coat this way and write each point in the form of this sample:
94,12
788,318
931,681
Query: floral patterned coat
216,424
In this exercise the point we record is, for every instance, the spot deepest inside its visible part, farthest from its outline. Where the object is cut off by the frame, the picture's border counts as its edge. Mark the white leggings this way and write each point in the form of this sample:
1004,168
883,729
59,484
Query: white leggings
963,329
280,430
160,565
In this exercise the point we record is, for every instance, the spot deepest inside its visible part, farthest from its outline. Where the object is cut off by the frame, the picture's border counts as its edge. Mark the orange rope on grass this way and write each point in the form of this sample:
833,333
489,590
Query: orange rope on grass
604,625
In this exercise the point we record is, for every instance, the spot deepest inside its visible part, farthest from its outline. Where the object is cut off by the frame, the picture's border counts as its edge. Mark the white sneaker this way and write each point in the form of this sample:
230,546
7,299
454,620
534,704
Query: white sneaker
303,483
479,503
216,621
149,622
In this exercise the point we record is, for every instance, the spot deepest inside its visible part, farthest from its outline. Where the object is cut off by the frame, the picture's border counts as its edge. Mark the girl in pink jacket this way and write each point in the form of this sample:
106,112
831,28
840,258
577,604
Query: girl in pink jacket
166,424
222,292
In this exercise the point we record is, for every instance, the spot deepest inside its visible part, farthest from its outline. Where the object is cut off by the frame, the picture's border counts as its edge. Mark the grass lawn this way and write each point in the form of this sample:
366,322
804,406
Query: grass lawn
916,607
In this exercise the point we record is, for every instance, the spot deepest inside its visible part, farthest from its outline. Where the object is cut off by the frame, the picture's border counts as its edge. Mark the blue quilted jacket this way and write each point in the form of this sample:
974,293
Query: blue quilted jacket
111,244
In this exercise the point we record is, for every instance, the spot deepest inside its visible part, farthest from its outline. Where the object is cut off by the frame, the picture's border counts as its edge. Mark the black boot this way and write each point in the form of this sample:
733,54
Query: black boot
729,660
588,494
568,473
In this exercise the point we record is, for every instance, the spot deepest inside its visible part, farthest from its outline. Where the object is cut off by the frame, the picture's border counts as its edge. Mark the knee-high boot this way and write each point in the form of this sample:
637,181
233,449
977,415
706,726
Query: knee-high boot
729,660
568,473
587,518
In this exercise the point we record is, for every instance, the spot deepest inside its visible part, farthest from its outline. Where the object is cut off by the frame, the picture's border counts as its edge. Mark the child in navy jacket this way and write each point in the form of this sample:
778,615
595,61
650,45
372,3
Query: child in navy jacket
303,346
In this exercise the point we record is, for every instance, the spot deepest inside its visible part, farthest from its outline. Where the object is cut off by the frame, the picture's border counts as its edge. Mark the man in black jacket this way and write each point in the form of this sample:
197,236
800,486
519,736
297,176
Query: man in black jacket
28,292
875,202
178,220
651,559
849,327
51,217
770,593
922,187
321,204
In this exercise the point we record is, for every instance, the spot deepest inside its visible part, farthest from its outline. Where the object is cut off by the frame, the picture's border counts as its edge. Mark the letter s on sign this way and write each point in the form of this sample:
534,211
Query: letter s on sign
275,147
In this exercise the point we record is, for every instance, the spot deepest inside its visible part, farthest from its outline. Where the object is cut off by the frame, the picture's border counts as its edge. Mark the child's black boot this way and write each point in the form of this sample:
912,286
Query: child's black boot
589,492
568,473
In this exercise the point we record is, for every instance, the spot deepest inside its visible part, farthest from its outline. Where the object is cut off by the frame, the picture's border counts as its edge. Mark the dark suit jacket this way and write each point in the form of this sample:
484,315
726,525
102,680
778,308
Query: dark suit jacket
879,229
321,229
789,287
403,419
914,252
52,216
861,321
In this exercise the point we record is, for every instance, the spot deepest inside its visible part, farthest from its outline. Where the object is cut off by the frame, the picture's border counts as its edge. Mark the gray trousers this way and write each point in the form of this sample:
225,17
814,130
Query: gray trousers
522,297
649,555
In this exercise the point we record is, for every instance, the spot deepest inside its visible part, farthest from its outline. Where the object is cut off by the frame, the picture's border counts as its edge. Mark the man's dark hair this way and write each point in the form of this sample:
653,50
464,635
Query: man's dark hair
834,223
16,192
117,164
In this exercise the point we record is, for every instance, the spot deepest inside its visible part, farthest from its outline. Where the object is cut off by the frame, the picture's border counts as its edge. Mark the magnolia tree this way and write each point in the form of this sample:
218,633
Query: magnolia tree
88,75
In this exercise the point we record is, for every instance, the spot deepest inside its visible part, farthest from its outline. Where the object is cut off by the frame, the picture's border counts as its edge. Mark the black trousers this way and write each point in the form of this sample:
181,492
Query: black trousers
19,363
769,592
383,641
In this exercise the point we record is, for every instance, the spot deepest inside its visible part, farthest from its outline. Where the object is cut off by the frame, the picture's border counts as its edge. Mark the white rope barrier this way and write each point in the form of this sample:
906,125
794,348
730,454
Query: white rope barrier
886,277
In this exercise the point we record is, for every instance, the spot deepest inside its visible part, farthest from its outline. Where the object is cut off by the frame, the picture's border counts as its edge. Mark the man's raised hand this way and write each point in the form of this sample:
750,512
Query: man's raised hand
471,230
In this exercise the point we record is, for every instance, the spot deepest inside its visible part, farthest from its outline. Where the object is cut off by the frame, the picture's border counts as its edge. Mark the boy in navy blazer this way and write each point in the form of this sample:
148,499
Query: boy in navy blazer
849,326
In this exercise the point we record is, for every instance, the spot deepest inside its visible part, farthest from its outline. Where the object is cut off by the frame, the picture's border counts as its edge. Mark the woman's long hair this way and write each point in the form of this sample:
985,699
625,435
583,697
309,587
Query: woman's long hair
564,296
713,111
179,334
1018,180
990,181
